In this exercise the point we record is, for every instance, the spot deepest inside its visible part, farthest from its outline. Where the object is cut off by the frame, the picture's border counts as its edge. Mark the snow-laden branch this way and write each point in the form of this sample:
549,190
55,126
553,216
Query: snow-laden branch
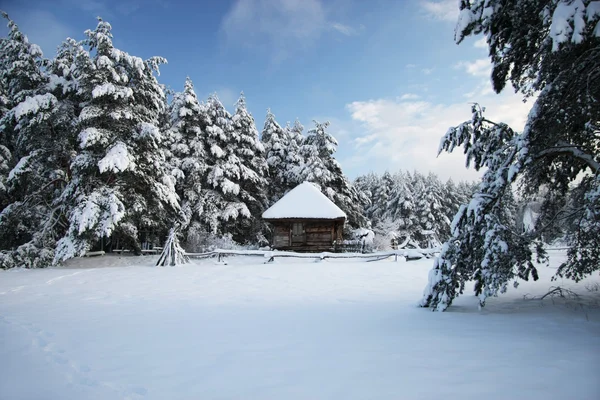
569,149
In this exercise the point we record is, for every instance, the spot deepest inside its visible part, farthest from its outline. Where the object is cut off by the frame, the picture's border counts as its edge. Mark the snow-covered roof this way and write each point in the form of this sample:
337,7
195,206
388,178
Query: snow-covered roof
304,201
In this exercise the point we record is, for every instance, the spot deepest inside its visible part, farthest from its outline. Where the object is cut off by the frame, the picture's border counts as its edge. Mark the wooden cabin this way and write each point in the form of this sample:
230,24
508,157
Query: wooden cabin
305,220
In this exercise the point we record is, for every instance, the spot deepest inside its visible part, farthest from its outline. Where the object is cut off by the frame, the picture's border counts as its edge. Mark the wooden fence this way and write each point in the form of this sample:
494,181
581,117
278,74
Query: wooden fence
270,256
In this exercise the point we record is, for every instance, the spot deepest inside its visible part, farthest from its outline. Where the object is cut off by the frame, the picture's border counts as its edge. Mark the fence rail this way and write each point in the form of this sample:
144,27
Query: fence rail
410,254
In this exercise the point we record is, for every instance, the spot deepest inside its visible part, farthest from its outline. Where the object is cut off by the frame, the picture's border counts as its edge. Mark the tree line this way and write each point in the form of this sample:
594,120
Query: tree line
95,153
412,208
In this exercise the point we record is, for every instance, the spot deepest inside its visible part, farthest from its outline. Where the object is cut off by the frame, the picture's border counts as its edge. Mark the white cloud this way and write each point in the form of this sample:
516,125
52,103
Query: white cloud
290,19
446,10
106,10
345,29
280,27
481,43
410,66
406,134
428,71
409,96
228,97
479,68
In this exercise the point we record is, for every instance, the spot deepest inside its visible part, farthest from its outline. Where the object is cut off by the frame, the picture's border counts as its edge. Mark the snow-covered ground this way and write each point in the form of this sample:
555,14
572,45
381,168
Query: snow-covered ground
117,328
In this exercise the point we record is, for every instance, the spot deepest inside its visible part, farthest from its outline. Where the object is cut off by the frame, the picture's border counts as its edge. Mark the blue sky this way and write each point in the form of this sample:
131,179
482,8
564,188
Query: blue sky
387,74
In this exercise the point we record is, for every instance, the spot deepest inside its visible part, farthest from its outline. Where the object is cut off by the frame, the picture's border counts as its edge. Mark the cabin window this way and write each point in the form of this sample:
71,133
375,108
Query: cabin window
297,228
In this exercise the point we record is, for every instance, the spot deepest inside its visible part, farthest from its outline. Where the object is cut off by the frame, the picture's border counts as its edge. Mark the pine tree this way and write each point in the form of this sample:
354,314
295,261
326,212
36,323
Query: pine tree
120,182
188,156
36,147
429,210
21,75
253,169
539,46
381,197
401,208
293,160
276,145
5,153
321,168
368,184
224,207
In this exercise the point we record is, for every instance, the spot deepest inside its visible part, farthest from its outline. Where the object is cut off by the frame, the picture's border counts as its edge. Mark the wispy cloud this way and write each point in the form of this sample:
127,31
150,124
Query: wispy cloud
481,43
428,71
346,29
410,66
405,134
445,10
478,68
104,9
226,95
409,96
279,26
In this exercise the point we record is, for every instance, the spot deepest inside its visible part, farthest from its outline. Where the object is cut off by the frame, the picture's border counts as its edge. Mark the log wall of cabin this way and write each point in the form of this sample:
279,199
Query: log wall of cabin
281,235
317,235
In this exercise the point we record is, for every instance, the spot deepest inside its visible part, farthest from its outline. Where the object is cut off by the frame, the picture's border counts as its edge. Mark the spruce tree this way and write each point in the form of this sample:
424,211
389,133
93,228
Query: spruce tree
293,160
544,47
188,156
381,197
369,184
401,208
21,75
321,168
224,207
120,185
253,171
35,152
276,145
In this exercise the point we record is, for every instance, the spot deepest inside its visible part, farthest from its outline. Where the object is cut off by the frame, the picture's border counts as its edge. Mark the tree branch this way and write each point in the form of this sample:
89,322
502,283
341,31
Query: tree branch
569,149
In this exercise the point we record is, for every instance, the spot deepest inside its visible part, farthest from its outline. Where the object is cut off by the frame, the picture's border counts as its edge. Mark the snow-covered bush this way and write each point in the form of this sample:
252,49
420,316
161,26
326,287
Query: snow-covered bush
199,241
26,256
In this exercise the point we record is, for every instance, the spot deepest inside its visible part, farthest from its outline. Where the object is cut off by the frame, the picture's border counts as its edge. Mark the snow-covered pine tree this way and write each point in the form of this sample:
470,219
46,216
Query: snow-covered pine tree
551,48
433,222
381,197
253,171
21,75
368,184
454,196
120,183
276,145
322,168
39,132
485,245
5,153
293,160
224,207
188,156
401,208
450,202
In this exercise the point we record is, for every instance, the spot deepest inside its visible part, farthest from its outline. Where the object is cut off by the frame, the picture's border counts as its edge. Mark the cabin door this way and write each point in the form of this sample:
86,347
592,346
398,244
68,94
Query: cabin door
298,234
